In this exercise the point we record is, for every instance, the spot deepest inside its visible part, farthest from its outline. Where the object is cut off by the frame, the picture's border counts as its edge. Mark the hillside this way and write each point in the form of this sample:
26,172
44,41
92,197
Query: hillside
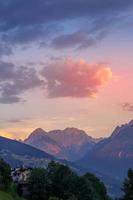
17,153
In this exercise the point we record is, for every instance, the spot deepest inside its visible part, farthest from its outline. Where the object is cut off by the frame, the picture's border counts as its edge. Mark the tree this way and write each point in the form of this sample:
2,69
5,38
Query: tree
89,187
97,187
128,186
82,189
60,180
5,175
37,184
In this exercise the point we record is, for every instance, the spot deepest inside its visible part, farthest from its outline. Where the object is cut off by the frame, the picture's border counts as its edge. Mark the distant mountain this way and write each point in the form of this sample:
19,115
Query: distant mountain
17,153
70,143
112,156
40,139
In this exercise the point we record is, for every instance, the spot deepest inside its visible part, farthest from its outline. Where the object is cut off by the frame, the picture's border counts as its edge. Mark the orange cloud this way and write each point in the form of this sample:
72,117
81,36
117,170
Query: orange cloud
71,78
103,75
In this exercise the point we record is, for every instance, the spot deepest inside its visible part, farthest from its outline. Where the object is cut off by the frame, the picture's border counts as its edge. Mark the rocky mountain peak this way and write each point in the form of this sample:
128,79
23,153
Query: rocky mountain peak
70,143
38,132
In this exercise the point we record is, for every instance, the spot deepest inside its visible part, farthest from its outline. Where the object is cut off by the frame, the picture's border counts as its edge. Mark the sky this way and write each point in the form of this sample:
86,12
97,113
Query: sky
65,63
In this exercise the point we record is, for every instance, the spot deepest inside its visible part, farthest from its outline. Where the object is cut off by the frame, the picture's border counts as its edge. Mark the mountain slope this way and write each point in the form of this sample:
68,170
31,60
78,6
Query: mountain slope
70,143
114,155
17,153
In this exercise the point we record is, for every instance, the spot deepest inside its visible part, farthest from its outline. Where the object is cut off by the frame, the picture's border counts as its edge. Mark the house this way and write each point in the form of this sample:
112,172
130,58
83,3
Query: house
20,178
21,175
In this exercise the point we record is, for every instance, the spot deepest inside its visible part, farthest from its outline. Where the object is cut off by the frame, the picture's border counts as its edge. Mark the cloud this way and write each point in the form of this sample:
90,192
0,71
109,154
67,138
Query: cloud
5,50
14,81
60,78
23,35
22,22
26,35
17,120
127,106
16,13
86,36
76,39
70,78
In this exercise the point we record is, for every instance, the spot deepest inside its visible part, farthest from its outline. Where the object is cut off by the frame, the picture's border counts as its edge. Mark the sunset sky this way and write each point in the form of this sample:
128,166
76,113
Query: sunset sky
65,63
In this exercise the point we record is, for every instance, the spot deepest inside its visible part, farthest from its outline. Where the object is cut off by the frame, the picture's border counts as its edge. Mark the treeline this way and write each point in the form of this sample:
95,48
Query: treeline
59,182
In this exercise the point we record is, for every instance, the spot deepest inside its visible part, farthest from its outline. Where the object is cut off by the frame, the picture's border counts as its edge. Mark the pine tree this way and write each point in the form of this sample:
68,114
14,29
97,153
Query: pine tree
128,186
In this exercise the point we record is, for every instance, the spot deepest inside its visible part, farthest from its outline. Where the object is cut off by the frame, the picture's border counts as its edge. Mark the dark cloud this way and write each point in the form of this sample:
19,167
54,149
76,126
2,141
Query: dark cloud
23,35
9,99
14,81
76,39
26,35
16,13
88,36
28,21
127,106
70,78
16,120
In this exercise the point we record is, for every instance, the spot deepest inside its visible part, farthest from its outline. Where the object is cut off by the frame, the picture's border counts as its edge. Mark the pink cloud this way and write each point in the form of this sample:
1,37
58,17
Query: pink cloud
71,78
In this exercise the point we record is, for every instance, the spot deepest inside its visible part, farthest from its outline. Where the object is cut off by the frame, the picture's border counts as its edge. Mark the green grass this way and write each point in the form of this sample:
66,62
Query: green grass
6,196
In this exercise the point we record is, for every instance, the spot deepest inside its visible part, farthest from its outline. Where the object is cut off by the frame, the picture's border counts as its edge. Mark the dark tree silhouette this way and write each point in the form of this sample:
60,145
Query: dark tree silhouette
37,184
5,175
59,182
128,186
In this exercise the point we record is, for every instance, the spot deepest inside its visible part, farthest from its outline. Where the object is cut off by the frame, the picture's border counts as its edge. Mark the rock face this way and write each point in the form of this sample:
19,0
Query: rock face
114,155
40,139
70,143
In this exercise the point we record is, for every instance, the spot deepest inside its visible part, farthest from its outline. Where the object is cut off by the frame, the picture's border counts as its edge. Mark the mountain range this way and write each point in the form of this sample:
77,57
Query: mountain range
109,158
70,144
